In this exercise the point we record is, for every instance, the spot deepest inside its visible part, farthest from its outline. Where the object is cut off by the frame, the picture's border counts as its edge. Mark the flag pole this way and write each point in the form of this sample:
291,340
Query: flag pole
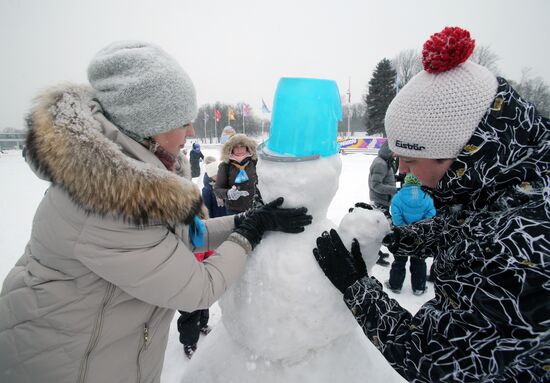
349,105
215,125
205,120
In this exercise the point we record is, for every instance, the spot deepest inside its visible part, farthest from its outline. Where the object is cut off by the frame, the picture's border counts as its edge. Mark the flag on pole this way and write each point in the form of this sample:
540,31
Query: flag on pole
218,115
265,109
230,114
246,111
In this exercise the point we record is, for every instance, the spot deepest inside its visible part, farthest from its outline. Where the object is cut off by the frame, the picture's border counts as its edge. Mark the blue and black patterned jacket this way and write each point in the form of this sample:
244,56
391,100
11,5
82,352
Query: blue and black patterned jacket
490,318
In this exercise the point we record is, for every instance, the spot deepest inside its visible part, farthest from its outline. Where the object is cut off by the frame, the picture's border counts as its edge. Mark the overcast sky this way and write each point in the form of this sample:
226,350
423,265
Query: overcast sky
237,50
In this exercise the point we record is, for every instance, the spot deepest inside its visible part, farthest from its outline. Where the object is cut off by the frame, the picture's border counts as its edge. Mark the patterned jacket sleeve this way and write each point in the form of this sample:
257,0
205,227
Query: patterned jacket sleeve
429,237
422,348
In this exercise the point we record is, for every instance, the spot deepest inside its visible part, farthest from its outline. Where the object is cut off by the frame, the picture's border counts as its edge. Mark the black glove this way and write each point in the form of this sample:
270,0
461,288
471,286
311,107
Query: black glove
391,241
271,217
362,205
400,177
403,241
340,267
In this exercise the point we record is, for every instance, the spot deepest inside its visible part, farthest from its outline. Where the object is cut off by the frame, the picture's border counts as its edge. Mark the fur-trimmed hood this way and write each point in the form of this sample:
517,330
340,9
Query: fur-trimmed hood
238,139
73,145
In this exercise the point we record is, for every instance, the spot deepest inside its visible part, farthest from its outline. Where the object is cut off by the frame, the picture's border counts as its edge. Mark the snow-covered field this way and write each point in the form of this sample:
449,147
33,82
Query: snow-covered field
21,192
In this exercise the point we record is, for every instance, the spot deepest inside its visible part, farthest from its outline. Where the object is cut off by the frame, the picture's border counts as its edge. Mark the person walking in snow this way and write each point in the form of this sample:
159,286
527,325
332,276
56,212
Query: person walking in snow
192,324
476,142
382,186
195,158
237,178
410,204
110,256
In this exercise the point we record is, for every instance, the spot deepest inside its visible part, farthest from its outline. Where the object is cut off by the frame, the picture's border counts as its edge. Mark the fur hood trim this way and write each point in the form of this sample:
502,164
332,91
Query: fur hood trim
238,139
67,145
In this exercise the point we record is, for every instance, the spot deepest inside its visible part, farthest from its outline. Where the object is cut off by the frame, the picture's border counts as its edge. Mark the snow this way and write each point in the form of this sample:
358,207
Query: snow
21,192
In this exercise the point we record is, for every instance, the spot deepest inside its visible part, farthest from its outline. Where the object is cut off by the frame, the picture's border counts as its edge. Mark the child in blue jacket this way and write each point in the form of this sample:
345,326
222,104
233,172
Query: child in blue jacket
409,205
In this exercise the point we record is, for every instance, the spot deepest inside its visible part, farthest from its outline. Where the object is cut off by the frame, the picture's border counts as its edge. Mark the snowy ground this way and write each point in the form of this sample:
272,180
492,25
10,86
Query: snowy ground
21,192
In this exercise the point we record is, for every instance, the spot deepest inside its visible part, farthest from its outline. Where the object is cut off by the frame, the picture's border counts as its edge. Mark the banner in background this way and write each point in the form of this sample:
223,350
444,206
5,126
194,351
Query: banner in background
360,144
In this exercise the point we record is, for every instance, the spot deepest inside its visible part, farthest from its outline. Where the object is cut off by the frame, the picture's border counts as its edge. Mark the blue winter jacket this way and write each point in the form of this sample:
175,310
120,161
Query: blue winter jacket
411,204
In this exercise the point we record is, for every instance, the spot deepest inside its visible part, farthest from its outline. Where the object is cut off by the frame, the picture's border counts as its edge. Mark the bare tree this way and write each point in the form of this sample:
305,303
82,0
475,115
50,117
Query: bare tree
534,90
406,64
483,55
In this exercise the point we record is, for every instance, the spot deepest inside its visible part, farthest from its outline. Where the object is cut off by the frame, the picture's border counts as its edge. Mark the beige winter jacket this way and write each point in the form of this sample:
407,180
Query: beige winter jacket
109,258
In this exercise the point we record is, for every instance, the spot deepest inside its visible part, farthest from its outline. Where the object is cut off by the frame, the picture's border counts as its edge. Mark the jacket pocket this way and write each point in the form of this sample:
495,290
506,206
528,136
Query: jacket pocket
144,343
96,332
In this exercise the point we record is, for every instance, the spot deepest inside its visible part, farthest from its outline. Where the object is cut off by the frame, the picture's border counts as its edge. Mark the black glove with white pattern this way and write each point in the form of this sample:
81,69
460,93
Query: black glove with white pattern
403,241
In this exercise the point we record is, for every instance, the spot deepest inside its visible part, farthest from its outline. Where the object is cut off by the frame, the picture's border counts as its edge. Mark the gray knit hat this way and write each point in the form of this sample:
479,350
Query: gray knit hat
142,89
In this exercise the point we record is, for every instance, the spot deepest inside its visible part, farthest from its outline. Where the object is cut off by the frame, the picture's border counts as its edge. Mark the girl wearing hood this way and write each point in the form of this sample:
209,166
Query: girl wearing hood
237,178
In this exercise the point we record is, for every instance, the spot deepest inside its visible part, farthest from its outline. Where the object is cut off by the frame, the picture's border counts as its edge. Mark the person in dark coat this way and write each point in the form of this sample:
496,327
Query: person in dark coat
478,144
192,324
410,204
382,186
237,178
195,157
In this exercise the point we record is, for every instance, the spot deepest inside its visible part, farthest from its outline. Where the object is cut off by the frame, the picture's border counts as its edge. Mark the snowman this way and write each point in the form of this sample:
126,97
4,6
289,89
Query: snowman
283,321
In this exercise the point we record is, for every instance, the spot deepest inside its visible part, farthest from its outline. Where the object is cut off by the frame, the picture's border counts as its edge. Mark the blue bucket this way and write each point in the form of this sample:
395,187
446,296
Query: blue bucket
305,118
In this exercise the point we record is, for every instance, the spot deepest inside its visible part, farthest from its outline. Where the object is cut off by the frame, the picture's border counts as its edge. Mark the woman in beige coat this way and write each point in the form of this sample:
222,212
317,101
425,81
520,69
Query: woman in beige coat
111,251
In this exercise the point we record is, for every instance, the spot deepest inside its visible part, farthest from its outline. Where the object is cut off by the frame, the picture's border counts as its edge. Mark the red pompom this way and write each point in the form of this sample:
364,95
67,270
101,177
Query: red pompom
447,49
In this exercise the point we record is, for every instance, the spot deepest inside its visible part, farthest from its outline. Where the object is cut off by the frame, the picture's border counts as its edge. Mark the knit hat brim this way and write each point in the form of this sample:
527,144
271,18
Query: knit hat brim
435,115
142,89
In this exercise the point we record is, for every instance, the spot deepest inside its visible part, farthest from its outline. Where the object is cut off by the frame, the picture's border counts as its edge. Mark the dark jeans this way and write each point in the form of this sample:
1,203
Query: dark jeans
418,272
190,324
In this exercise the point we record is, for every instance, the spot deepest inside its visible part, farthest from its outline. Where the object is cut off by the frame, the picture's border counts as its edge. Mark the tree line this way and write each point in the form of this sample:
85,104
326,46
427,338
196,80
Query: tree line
212,118
390,76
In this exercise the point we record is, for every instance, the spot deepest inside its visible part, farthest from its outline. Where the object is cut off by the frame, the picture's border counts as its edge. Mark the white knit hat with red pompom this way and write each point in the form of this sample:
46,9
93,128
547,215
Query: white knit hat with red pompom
436,113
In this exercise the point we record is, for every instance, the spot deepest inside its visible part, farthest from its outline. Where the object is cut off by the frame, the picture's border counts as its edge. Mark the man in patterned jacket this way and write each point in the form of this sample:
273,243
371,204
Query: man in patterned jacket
472,139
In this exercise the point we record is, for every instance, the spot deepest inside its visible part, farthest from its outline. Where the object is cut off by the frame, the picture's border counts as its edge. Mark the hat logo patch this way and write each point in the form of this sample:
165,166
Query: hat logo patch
406,145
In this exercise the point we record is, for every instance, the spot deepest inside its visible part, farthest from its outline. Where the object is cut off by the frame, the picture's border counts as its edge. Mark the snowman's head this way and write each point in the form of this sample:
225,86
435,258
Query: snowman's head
312,184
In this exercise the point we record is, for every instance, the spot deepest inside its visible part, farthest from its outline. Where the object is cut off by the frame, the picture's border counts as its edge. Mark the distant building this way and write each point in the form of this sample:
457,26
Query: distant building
12,140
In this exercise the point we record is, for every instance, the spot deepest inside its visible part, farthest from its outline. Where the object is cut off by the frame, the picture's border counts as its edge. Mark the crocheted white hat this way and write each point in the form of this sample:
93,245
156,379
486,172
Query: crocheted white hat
212,168
436,113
